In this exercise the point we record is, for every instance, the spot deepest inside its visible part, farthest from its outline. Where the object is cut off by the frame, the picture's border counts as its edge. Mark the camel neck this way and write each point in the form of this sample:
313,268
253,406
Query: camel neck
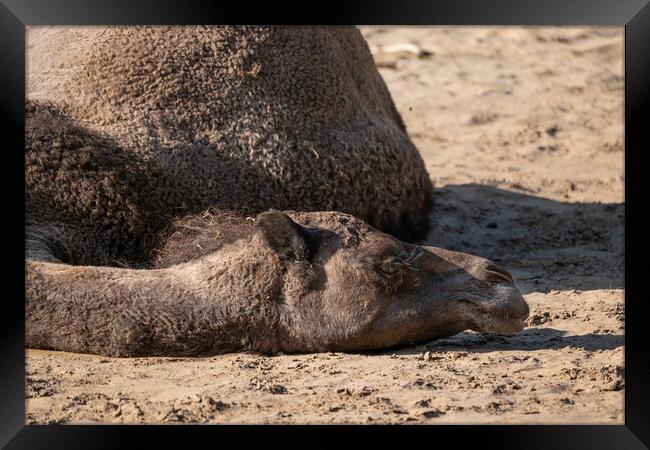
217,304
237,288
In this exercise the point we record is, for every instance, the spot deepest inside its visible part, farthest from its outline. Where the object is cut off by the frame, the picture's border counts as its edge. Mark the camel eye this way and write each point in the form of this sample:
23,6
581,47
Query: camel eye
389,266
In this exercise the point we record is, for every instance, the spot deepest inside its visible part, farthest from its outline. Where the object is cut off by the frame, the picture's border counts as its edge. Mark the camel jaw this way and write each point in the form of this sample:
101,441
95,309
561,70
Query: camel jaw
505,313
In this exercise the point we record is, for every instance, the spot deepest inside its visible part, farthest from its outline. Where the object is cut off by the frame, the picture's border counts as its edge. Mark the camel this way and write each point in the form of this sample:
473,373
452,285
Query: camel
200,190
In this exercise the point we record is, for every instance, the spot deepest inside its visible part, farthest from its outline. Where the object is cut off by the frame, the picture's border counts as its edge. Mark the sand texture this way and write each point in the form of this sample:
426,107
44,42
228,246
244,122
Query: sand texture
521,130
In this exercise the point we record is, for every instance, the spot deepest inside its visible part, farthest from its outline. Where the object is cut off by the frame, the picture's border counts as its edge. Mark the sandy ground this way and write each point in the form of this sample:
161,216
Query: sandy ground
522,132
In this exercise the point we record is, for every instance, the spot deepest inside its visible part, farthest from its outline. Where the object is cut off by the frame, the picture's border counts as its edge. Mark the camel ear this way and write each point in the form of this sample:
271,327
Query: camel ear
285,237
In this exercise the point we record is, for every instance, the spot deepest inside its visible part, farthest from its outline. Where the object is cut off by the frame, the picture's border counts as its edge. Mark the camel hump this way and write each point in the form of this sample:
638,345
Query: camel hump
158,122
188,82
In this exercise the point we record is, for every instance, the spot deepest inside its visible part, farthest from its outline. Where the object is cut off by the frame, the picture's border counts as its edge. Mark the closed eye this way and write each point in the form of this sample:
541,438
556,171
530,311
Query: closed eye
404,261
389,266
410,258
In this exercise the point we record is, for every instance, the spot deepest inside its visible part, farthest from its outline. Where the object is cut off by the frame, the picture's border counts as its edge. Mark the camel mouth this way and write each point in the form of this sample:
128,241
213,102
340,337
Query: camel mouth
505,314
502,325
491,322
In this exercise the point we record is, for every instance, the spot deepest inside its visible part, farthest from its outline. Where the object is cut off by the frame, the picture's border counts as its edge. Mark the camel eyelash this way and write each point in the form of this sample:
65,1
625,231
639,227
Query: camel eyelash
409,258
405,260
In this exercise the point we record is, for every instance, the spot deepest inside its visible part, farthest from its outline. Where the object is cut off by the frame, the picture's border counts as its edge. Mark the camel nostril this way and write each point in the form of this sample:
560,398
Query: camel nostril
496,273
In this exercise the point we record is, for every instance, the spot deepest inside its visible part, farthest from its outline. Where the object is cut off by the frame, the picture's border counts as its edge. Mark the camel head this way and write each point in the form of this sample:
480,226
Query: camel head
350,287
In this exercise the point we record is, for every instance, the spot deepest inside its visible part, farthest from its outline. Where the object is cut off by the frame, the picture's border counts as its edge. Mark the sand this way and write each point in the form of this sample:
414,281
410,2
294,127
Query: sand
521,130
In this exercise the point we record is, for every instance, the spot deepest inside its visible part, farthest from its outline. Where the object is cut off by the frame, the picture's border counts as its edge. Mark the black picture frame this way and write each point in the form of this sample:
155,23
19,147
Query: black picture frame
634,15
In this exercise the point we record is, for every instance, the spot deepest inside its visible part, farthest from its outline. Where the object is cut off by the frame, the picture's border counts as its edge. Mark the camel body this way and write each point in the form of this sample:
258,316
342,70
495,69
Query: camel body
132,132
130,127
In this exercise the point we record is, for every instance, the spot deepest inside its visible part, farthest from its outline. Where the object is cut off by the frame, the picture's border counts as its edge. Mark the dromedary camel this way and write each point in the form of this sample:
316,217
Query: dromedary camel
131,132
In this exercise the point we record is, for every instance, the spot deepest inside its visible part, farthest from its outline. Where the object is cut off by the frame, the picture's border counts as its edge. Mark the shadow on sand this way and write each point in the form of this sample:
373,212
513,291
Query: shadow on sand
546,244
531,339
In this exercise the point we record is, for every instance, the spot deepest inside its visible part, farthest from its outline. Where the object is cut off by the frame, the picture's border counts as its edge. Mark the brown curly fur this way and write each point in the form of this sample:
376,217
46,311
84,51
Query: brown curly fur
131,127
196,235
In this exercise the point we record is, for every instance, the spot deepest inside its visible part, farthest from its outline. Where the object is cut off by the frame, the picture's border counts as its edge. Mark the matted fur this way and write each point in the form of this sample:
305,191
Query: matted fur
196,235
193,236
